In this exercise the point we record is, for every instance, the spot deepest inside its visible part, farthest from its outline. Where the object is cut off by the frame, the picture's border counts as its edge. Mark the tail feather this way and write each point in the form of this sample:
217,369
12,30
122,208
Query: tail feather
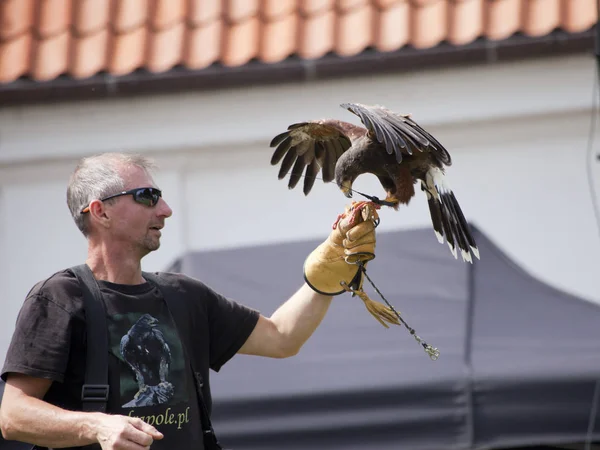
447,216
436,214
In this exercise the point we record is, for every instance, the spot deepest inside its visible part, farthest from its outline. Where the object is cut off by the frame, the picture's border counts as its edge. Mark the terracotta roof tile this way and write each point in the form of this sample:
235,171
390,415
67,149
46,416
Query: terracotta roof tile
316,37
16,18
384,4
429,23
241,44
393,29
540,16
53,17
575,15
90,16
203,45
51,56
241,10
201,12
276,9
15,56
344,6
465,21
129,15
278,38
358,15
502,18
165,48
128,51
43,39
314,7
167,13
88,54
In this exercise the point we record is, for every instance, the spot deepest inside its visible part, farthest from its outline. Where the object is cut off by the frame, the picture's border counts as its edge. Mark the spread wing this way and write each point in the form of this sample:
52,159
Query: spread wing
399,133
314,146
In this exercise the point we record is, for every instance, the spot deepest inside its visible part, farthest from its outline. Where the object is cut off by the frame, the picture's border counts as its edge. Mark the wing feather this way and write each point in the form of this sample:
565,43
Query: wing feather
329,162
315,145
311,175
282,147
296,172
398,133
287,163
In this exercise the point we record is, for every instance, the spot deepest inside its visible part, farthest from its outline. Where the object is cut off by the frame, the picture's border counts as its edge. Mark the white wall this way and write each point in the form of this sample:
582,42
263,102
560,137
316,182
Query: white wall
517,134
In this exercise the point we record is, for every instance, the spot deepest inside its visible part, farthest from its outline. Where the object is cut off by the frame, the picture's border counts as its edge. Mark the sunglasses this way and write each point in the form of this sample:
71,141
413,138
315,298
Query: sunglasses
144,196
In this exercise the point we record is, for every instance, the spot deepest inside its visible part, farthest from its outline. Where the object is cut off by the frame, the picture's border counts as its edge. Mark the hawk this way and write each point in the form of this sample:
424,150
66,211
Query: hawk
391,146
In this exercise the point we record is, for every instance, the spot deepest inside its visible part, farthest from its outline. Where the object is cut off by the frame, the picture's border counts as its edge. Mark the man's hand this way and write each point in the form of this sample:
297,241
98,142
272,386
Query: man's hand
352,240
25,417
114,432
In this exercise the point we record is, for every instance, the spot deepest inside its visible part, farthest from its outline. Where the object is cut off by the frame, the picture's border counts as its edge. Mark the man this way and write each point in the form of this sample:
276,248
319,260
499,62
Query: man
117,206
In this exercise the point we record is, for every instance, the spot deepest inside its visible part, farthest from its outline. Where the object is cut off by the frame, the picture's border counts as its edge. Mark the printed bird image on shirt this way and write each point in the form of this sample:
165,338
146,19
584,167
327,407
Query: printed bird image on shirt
151,355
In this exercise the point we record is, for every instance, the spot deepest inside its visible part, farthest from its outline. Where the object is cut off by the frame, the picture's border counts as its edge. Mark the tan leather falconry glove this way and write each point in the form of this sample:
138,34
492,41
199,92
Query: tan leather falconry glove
352,239
332,269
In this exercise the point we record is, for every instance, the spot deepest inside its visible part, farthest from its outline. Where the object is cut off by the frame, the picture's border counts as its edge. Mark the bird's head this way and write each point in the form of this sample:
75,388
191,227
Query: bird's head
347,169
148,320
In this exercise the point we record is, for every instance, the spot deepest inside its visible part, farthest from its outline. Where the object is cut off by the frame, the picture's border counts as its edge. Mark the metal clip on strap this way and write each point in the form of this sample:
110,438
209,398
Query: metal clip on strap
94,392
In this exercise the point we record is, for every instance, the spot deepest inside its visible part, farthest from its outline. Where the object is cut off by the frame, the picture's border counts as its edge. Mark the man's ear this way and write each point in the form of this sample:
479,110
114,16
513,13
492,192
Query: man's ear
99,213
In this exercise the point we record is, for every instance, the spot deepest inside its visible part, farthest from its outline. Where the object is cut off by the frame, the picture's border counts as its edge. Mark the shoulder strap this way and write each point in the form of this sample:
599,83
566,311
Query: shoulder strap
177,310
95,391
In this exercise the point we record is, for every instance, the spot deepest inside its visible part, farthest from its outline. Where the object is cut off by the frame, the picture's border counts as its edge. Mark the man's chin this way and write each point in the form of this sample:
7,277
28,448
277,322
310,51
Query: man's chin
150,245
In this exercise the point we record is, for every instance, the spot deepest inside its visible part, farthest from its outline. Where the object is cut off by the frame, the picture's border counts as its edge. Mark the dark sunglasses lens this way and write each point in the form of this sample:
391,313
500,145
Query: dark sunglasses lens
148,197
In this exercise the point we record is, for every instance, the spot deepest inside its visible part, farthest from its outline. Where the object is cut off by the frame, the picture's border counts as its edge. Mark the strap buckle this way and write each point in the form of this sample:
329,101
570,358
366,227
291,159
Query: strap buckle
95,392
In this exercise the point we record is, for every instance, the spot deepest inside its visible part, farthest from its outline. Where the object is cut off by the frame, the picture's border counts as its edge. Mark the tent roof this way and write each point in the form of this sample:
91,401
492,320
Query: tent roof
507,342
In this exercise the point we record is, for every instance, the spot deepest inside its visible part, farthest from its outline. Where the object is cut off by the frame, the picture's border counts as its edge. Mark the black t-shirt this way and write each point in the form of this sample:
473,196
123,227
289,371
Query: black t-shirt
149,374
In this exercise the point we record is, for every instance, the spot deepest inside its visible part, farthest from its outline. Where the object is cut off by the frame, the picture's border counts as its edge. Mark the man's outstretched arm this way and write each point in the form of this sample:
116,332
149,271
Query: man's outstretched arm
326,269
285,332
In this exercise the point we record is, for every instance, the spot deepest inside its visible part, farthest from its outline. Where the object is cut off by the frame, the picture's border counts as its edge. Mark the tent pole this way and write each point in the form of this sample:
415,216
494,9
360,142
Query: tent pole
467,354
594,409
593,413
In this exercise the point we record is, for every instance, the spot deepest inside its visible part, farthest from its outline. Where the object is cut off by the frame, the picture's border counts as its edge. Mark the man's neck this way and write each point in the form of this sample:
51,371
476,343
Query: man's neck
116,265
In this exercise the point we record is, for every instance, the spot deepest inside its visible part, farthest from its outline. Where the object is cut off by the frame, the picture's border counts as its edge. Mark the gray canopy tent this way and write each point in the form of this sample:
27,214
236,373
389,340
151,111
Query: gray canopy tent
519,363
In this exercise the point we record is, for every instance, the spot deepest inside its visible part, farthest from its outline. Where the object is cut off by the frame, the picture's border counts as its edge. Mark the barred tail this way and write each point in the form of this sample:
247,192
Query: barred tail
447,217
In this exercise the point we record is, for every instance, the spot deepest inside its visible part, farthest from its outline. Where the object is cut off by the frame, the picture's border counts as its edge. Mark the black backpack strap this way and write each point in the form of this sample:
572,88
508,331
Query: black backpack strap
95,391
179,313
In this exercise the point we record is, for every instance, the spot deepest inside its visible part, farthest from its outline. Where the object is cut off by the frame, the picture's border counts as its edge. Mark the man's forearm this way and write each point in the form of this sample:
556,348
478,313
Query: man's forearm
38,422
298,318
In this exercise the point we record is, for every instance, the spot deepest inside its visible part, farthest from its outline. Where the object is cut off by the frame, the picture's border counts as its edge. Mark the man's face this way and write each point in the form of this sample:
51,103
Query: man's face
135,225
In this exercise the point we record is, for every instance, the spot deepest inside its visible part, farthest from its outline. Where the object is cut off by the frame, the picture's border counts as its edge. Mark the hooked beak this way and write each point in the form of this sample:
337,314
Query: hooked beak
346,188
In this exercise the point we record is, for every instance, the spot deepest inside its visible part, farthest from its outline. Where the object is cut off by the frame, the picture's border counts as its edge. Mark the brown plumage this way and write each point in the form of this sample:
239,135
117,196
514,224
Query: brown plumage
390,146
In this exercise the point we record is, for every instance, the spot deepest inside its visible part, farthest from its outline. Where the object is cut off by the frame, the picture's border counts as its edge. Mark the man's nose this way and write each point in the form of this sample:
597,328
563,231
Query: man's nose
165,209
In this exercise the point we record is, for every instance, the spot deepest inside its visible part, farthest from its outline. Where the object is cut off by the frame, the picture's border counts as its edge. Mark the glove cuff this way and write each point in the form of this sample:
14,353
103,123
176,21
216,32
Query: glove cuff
355,283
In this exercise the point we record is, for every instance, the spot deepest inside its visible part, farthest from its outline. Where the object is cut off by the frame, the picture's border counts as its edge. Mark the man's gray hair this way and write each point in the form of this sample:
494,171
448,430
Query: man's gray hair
99,176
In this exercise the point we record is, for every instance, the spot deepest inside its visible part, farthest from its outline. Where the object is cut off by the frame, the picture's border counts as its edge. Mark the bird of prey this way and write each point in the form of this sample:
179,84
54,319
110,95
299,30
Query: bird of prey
145,350
393,147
